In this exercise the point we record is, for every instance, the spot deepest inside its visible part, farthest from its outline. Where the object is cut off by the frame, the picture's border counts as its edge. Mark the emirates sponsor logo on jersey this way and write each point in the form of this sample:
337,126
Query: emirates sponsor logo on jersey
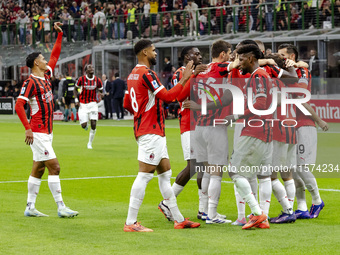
48,96
90,86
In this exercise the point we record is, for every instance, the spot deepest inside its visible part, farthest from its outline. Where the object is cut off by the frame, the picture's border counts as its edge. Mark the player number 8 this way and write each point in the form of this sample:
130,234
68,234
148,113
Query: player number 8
134,100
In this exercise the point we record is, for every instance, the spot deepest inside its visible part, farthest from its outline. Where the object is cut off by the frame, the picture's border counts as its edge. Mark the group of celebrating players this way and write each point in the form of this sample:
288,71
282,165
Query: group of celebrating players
264,143
205,145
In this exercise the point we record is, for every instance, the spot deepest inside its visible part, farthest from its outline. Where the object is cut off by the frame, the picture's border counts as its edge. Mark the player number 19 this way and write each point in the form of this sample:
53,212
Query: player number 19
134,100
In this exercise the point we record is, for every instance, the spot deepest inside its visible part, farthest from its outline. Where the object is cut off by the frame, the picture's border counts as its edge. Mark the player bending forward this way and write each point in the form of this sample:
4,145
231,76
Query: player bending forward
37,90
144,100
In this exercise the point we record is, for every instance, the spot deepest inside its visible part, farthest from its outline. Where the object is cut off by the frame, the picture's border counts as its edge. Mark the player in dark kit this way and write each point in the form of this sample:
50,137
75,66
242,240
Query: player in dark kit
68,97
37,90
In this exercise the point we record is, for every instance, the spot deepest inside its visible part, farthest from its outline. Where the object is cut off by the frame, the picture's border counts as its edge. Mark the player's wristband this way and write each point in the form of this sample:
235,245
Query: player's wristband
236,117
76,100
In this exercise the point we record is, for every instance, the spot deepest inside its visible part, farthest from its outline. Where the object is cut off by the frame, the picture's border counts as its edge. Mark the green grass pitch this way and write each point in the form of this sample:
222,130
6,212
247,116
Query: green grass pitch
103,202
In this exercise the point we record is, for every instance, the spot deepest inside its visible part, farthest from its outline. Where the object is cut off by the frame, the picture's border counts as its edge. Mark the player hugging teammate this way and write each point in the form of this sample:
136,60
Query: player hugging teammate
260,143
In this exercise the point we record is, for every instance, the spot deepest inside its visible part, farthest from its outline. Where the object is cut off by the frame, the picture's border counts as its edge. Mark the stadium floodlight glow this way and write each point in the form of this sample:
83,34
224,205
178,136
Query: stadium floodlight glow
238,99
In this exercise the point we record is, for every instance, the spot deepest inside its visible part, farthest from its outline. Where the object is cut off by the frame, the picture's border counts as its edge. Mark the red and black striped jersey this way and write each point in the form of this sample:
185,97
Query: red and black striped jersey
216,74
89,88
177,76
273,71
187,118
236,78
284,129
38,92
261,85
143,86
304,77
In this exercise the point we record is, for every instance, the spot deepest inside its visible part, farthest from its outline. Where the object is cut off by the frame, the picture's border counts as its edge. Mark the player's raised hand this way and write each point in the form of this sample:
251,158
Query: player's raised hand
302,64
323,124
188,70
29,137
290,63
200,68
188,104
57,27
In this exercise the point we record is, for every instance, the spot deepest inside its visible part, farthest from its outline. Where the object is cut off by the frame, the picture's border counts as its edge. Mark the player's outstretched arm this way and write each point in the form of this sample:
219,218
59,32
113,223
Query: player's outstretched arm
169,95
57,46
322,124
185,93
19,108
301,64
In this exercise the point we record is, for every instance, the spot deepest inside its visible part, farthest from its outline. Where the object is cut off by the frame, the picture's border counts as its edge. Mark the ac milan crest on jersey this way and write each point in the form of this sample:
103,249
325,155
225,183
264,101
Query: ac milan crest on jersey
152,156
46,153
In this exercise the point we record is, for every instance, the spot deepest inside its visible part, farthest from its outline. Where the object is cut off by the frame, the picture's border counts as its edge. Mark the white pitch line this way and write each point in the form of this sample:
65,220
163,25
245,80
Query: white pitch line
126,176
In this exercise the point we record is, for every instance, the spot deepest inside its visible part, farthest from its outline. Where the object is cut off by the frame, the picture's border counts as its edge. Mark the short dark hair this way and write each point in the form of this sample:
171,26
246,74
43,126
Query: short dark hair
141,45
290,49
185,51
252,42
248,42
30,59
116,75
168,58
278,59
253,49
218,47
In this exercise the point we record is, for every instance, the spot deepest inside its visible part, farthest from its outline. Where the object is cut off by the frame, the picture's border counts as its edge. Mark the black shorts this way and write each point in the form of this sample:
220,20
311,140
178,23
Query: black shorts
69,100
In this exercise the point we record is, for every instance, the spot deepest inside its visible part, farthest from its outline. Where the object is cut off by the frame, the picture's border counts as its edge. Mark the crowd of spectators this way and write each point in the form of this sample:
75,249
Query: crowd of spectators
10,89
101,20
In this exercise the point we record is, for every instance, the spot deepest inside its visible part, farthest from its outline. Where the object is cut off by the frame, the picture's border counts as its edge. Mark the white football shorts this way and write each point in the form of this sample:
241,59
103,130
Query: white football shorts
307,140
42,147
88,112
152,149
251,157
211,144
188,145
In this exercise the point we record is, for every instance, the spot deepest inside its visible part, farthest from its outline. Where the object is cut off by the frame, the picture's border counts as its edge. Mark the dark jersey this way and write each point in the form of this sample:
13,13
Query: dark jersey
68,87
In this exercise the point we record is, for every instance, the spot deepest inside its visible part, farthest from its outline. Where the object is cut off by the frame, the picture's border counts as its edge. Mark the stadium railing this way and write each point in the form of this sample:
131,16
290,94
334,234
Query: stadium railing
285,15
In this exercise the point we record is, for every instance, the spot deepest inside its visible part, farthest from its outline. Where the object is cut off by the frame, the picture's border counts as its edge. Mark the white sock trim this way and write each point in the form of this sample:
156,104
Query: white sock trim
53,178
34,180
